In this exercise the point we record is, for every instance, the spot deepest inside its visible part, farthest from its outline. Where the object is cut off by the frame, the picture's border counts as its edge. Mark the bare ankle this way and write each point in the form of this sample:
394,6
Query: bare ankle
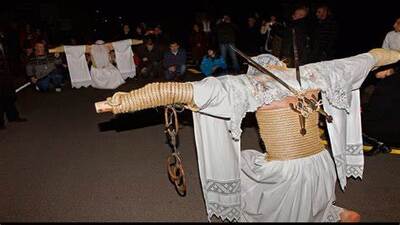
348,216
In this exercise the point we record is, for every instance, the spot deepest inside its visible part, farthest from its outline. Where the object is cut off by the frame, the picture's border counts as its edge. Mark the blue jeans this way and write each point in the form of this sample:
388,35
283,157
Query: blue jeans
225,49
180,70
53,79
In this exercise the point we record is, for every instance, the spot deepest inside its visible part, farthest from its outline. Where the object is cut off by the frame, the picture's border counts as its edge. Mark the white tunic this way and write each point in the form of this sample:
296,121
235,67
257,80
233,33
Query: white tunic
124,58
242,185
77,66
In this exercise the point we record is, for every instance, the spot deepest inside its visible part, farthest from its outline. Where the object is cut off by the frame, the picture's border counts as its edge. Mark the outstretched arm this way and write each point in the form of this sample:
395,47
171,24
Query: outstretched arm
385,56
149,96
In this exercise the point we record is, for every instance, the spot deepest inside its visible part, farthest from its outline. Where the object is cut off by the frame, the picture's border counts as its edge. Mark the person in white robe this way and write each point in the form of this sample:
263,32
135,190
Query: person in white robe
249,185
104,74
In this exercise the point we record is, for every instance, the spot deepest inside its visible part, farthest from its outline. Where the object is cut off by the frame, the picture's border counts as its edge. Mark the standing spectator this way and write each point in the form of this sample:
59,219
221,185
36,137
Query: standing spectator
213,64
392,39
39,36
126,33
251,37
150,57
268,33
13,49
159,38
300,24
226,35
324,36
42,69
198,43
174,62
380,118
208,30
27,36
139,33
8,99
26,54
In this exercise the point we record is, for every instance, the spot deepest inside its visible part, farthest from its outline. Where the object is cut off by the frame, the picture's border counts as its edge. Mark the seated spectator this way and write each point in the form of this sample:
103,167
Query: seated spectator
150,58
8,99
392,39
174,62
213,64
42,69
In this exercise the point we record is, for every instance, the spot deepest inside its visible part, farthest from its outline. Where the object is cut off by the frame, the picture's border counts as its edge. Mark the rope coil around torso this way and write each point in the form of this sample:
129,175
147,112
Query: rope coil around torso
279,129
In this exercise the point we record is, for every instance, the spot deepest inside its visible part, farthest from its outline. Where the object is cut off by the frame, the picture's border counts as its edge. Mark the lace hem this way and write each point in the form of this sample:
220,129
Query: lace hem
224,212
128,75
81,84
215,193
333,214
347,169
354,170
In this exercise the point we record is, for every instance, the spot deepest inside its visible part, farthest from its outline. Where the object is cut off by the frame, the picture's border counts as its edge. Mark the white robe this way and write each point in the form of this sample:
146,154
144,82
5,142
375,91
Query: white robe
77,66
242,185
104,74
124,58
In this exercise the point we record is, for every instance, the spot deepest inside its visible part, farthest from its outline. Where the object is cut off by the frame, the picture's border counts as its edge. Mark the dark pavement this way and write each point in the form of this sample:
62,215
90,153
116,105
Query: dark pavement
69,164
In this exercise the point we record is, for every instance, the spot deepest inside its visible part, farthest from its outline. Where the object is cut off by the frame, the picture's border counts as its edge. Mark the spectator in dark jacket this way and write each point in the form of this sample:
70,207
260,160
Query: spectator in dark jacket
324,36
8,99
150,59
380,117
251,38
174,62
300,24
226,35
198,43
126,33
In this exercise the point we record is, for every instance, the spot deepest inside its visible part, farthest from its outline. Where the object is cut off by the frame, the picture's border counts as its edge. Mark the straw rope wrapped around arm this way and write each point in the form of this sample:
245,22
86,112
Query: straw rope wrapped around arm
150,96
385,56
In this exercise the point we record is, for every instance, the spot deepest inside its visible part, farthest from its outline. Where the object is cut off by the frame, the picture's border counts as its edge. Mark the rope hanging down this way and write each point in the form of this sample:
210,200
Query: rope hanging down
174,162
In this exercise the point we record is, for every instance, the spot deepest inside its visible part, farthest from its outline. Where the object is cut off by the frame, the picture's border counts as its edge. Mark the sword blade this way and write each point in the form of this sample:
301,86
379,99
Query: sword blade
22,87
296,57
263,70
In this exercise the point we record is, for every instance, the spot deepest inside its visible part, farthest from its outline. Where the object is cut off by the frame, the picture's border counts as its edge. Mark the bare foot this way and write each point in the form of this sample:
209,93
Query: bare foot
348,216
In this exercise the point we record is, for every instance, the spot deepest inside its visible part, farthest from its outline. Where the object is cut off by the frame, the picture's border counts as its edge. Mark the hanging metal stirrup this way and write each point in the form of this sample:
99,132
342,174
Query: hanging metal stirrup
174,161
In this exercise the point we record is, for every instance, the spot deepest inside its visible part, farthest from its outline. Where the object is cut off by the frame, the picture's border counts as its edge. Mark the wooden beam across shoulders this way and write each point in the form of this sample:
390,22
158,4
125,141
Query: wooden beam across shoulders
60,49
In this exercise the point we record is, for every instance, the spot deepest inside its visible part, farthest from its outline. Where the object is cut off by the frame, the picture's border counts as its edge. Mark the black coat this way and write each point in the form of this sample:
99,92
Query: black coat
381,118
7,86
323,40
301,27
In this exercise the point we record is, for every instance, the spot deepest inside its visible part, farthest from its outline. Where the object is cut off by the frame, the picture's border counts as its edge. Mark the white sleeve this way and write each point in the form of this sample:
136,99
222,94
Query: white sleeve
211,97
342,76
352,71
